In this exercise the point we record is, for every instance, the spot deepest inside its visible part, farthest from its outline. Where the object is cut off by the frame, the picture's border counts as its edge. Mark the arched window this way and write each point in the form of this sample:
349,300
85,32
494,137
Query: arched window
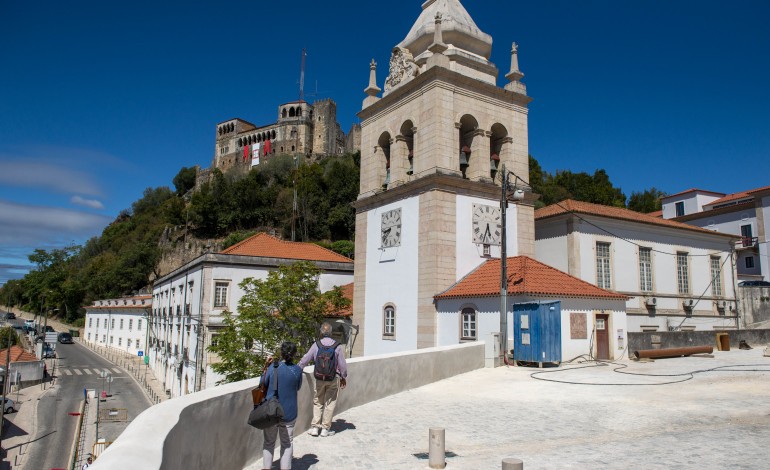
384,144
468,126
240,142
272,134
389,322
292,112
496,140
283,113
468,324
299,112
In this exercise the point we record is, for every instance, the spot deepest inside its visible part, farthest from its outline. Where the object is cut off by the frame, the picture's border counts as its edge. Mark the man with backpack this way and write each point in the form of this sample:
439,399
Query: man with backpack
329,358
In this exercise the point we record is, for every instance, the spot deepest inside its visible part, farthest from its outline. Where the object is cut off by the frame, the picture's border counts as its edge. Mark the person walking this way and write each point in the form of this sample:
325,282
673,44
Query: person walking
289,379
330,374
88,463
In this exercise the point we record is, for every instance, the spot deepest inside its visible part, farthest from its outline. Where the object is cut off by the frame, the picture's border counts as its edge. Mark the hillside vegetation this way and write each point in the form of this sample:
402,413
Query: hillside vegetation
124,258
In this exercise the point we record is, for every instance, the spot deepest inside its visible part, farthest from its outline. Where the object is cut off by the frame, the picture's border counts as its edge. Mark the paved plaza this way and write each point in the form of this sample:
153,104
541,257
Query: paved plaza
668,419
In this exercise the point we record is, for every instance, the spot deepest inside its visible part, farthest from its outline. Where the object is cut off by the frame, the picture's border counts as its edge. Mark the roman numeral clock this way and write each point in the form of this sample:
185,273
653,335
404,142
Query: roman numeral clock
390,229
487,224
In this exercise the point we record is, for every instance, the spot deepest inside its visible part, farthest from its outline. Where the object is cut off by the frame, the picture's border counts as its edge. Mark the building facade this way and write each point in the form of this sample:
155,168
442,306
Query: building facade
189,303
301,128
744,214
432,149
676,276
119,323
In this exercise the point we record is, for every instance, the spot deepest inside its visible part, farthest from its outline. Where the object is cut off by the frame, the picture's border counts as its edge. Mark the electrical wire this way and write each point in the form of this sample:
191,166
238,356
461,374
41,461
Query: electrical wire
633,242
685,375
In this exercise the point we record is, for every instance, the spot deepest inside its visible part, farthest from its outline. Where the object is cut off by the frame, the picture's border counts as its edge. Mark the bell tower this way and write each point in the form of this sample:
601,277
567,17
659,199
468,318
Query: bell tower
432,149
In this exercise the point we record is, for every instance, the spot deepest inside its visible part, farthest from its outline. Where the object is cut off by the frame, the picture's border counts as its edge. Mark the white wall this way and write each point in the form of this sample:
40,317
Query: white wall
693,202
391,278
764,252
120,336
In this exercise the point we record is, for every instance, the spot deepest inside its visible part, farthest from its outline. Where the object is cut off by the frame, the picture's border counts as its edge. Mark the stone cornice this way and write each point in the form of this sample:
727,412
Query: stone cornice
449,80
440,180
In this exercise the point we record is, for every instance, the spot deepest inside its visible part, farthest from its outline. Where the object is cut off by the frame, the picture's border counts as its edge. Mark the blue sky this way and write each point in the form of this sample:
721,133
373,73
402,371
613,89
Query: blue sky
100,100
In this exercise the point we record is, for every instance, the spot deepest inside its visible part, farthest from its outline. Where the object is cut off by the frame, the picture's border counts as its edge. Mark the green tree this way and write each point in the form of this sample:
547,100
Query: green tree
8,336
647,201
286,306
185,180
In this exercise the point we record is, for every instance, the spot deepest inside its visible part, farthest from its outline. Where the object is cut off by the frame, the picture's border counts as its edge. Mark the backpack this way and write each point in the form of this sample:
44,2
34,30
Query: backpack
326,361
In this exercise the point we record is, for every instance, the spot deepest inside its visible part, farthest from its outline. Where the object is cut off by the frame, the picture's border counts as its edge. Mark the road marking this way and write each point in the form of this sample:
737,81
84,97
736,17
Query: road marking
77,371
87,371
117,371
66,371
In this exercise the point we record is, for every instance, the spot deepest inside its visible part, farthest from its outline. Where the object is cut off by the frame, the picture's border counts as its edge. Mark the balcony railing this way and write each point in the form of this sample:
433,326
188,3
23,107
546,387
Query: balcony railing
747,242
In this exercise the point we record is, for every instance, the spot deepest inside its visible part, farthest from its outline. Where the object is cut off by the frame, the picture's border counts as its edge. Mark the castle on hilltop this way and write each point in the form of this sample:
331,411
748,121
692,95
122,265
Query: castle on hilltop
310,130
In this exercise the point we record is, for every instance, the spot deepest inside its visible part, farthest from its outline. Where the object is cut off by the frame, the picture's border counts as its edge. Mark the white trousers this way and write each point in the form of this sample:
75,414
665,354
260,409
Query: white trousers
286,431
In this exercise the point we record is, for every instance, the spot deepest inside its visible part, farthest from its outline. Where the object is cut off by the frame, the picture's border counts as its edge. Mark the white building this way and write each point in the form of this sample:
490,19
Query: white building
119,323
744,214
592,320
677,276
432,145
188,303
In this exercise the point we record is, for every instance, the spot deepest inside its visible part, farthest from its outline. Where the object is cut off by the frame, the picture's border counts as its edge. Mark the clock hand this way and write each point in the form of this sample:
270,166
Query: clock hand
487,233
386,233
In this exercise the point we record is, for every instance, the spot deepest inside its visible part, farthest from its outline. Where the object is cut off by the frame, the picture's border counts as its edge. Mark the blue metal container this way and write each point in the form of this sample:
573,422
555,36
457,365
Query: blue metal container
537,332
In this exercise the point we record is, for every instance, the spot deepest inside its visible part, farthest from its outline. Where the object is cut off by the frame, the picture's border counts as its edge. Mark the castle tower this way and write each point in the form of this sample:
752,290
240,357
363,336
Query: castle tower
432,147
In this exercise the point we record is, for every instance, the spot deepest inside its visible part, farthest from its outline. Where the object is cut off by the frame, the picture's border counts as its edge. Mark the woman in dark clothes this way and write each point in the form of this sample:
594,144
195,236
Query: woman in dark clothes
289,378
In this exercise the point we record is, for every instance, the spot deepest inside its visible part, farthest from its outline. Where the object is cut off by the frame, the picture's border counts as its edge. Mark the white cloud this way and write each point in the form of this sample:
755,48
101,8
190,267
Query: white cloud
49,176
92,203
31,226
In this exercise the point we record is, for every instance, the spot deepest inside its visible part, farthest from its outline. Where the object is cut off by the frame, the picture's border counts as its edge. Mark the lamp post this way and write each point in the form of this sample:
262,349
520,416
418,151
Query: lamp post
518,195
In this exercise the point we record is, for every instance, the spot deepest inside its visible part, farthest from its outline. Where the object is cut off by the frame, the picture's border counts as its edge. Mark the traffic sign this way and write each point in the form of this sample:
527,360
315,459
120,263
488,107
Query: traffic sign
140,353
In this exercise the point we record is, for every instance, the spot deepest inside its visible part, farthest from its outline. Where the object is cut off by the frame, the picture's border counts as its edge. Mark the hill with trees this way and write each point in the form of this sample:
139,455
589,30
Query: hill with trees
125,257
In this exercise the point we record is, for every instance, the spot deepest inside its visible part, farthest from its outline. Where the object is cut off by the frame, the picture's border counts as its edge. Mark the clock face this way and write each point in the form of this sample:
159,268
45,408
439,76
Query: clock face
390,230
487,224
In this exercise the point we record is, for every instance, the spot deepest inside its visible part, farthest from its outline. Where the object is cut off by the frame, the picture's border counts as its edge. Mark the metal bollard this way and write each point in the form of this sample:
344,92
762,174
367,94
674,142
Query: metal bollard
511,463
437,448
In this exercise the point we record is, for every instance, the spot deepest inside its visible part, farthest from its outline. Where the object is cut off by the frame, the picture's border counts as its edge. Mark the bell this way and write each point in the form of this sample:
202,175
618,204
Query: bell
387,180
411,167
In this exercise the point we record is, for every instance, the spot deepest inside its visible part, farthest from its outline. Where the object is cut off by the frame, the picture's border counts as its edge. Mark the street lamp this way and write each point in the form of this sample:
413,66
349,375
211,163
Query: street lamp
517,194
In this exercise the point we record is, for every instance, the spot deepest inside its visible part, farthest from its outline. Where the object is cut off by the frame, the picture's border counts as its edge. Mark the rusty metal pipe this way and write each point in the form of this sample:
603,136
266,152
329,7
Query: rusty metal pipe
673,352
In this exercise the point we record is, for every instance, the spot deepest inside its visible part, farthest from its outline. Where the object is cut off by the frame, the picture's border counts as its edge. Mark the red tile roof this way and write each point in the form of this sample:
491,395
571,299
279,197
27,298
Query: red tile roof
737,196
587,208
526,276
347,292
18,354
656,213
693,190
268,246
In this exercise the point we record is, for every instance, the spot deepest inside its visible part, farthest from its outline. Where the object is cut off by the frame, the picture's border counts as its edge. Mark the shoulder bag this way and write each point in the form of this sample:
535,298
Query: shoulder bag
258,394
269,412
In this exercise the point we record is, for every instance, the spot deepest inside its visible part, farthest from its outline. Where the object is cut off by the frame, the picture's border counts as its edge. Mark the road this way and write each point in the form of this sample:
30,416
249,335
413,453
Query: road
77,368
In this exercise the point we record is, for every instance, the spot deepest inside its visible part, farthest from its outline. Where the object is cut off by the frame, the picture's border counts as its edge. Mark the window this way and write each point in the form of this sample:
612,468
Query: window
104,338
91,322
139,324
389,322
97,323
682,273
112,324
120,341
220,294
121,323
746,231
111,338
749,262
130,323
680,208
128,343
716,276
603,265
138,343
645,269
89,336
468,324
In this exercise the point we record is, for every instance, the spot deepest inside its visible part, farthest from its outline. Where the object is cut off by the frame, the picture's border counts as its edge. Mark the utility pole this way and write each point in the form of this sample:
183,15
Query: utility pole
6,379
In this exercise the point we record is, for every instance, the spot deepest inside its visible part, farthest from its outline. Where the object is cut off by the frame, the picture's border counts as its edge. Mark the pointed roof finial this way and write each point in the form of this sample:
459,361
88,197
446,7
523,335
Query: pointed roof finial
438,46
515,74
372,89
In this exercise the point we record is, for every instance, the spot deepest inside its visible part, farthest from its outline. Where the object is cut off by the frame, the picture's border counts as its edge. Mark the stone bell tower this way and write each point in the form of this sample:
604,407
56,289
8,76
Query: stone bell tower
432,150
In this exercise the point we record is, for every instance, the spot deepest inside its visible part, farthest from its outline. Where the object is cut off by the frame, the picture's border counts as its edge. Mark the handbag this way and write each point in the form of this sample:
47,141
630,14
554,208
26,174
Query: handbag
258,394
269,412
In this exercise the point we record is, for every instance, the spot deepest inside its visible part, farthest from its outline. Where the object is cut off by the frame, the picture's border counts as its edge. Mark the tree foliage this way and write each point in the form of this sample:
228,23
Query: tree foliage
286,306
8,336
564,184
647,201
185,180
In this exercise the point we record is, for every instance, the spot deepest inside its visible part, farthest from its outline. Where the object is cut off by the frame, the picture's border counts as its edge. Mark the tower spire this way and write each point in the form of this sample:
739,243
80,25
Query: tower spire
372,90
515,74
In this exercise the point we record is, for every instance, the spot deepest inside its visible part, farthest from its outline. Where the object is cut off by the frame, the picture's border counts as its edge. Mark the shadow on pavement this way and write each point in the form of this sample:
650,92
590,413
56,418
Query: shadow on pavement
11,430
304,462
341,425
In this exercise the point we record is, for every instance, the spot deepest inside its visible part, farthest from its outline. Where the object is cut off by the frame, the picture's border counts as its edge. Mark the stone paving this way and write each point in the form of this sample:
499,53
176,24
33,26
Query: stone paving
709,420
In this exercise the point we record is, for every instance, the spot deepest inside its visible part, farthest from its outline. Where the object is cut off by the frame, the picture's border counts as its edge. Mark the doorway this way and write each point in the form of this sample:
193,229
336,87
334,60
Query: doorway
602,337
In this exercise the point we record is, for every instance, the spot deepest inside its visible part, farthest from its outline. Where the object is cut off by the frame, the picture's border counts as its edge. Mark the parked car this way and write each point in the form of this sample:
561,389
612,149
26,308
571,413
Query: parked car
65,338
9,406
48,352
29,325
49,329
10,316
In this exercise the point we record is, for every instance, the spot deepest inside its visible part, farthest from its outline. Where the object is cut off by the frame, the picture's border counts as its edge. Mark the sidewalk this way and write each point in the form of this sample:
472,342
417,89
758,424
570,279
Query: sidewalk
21,425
